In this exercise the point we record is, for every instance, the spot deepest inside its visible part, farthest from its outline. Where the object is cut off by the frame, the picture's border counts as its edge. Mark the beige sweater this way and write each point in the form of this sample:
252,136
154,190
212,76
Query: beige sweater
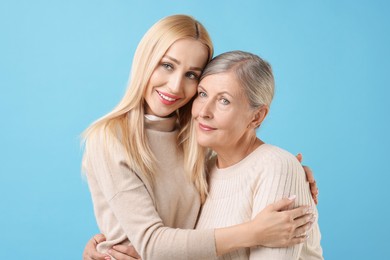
127,208
239,192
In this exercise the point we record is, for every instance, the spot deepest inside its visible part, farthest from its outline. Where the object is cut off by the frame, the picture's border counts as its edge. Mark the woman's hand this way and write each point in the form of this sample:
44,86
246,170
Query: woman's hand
122,252
90,252
275,226
119,252
310,178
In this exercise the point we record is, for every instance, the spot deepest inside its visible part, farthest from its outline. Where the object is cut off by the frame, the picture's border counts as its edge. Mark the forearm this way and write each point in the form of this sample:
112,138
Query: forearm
152,239
235,237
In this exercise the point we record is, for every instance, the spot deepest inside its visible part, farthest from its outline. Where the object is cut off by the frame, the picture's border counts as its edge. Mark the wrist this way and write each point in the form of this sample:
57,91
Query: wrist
250,234
235,237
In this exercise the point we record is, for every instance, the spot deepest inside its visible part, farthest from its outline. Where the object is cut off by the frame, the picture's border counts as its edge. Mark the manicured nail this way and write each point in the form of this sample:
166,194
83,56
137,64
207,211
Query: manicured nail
292,197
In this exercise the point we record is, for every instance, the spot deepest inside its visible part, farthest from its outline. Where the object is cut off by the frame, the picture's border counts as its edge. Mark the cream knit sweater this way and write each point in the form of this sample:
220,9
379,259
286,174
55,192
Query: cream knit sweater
128,208
239,192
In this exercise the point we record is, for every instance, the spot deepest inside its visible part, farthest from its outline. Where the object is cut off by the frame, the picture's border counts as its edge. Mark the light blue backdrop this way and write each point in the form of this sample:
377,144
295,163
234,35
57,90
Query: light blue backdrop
63,64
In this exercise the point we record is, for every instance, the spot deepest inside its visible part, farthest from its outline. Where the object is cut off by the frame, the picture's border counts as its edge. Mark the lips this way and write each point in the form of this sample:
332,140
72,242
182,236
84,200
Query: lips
166,98
206,127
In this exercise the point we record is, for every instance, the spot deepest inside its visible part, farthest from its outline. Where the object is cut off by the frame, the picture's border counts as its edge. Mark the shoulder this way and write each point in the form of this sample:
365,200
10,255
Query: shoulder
277,160
103,141
276,154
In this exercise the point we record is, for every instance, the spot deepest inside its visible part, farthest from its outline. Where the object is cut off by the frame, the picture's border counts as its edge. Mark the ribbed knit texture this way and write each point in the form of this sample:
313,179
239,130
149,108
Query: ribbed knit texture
239,192
128,208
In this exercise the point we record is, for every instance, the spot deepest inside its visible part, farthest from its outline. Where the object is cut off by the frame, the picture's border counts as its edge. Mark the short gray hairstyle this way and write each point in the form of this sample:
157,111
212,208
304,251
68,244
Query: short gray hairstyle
253,73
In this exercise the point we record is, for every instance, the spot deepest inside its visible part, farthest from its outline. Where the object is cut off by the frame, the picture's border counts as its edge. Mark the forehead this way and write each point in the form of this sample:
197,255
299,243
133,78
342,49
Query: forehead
222,82
188,50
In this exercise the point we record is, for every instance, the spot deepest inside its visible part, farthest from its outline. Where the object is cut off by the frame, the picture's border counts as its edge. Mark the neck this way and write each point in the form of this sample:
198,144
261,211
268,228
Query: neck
228,156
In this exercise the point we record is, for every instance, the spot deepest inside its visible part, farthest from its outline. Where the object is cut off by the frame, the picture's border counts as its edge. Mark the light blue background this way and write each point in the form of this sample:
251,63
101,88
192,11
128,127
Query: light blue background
63,64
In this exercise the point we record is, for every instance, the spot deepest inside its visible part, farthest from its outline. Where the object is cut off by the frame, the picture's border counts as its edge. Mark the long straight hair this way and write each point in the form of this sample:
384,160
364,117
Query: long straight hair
126,121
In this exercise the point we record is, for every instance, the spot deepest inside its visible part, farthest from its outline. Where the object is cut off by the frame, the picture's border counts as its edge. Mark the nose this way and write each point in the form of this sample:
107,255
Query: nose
176,84
206,110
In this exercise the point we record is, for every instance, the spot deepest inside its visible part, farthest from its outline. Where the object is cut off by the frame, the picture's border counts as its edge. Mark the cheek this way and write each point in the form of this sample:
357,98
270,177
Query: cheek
195,108
190,90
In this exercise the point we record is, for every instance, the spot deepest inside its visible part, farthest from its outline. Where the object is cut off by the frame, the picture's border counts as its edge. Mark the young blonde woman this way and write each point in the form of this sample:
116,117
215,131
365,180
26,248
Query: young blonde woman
134,160
245,174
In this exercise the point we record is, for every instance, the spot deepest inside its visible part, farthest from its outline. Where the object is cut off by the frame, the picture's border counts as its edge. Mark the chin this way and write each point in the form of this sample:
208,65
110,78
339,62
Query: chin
203,143
163,113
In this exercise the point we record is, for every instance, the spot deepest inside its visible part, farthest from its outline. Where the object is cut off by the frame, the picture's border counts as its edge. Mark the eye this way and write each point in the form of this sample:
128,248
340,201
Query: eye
224,101
192,75
202,94
167,66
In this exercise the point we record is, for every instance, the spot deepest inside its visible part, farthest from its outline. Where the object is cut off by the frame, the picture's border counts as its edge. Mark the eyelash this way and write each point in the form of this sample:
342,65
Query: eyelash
202,94
190,75
167,66
224,101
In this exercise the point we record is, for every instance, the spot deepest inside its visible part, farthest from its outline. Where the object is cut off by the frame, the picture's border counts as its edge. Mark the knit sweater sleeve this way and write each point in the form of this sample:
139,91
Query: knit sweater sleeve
131,204
282,176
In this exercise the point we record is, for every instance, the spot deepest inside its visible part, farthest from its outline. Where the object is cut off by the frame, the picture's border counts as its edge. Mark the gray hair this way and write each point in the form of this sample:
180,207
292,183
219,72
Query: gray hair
253,74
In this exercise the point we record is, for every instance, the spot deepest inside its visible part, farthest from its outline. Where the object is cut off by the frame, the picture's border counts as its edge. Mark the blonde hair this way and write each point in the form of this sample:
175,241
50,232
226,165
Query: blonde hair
126,121
256,79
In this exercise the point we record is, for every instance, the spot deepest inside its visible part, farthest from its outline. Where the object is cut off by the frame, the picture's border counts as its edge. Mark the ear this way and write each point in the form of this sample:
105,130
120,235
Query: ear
259,116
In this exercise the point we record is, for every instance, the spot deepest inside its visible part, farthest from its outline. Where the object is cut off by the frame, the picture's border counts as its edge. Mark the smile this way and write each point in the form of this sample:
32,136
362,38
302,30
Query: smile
165,97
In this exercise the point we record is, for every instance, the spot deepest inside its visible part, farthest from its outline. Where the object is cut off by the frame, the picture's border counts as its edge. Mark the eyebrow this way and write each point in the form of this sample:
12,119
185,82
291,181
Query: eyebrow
219,93
178,62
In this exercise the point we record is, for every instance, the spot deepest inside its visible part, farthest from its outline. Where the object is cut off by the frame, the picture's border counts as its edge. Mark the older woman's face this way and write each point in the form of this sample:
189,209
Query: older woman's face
222,112
174,81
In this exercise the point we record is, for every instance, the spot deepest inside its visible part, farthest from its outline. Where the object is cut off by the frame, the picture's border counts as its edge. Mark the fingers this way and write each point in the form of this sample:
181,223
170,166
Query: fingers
298,212
312,183
296,240
90,252
99,238
309,174
314,192
282,204
120,256
300,234
302,230
128,250
299,157
303,224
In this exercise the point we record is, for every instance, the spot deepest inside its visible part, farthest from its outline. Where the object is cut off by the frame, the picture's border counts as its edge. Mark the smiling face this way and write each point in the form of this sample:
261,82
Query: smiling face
223,117
175,79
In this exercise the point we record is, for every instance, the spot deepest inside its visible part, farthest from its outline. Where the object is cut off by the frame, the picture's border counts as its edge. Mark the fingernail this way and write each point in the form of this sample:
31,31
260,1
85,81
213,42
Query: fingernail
309,209
292,197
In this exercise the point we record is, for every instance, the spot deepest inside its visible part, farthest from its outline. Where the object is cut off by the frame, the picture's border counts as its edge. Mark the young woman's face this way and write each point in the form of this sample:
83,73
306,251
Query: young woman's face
222,112
175,79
